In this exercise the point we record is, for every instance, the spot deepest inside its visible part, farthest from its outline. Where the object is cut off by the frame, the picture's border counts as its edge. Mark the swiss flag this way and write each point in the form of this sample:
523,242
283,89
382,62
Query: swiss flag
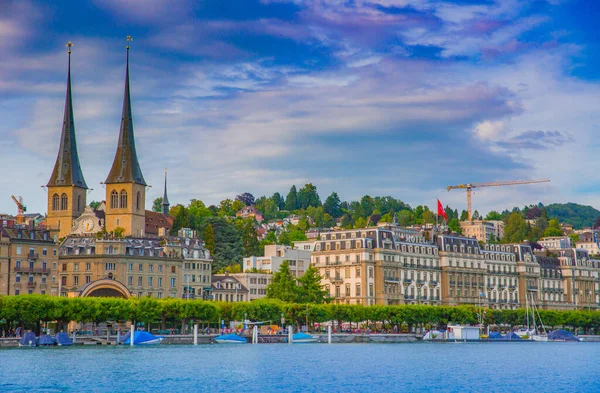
441,211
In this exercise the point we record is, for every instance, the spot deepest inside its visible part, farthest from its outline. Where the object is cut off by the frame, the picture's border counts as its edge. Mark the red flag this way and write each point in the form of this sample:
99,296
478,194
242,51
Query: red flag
441,211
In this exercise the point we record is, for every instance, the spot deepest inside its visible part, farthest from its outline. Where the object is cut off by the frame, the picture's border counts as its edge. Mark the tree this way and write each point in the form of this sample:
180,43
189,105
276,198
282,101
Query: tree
246,198
308,196
209,239
332,205
157,205
291,200
405,218
428,217
311,290
181,220
197,212
553,228
516,229
250,244
464,215
454,226
228,242
493,216
283,285
279,201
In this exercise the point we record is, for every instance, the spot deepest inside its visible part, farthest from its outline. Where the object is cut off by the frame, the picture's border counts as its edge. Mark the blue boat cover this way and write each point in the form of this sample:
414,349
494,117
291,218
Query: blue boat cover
28,338
561,335
140,337
45,339
495,336
232,337
300,336
512,336
63,339
124,337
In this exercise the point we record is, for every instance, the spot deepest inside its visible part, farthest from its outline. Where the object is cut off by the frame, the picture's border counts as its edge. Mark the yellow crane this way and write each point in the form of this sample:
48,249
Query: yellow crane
21,208
470,186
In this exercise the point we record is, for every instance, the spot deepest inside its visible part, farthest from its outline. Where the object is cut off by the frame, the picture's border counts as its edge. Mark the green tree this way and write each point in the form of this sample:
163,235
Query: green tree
308,196
279,201
405,218
333,205
228,242
181,220
311,290
197,211
291,200
493,215
516,229
428,217
360,223
250,243
283,285
454,226
553,228
157,205
209,239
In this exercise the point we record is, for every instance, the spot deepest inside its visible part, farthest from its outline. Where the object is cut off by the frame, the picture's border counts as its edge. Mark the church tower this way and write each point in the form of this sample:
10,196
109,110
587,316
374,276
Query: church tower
125,184
66,187
165,201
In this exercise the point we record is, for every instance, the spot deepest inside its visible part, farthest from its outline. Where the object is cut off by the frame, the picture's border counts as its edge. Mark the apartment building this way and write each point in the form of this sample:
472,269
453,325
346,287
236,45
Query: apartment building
28,261
275,255
226,288
256,283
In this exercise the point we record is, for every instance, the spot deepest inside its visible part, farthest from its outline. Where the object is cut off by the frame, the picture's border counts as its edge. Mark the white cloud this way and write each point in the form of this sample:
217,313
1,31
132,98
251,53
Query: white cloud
489,130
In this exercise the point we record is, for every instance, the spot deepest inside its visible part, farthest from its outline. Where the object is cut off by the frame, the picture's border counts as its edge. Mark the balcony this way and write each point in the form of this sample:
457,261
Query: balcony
532,287
473,283
31,284
409,297
422,297
420,282
433,282
490,286
452,282
33,255
24,269
336,279
514,301
460,283
512,287
435,298
391,279
502,301
407,281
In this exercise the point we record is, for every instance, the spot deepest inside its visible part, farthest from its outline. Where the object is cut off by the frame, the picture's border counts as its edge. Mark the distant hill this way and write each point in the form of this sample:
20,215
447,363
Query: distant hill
580,216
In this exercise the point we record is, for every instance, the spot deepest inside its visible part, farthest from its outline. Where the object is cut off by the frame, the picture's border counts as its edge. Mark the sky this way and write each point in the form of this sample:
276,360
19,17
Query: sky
378,97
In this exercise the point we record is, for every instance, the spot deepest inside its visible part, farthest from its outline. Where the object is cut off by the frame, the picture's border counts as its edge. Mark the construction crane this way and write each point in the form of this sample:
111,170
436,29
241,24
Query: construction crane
470,186
21,208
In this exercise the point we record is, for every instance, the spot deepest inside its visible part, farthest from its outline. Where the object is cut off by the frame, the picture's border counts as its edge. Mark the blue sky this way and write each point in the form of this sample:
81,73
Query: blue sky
379,97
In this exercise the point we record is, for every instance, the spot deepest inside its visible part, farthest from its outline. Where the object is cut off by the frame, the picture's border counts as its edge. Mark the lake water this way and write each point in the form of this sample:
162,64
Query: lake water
466,367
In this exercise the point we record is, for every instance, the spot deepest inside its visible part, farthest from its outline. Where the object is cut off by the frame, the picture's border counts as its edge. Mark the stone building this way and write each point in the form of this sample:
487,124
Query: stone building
28,262
227,288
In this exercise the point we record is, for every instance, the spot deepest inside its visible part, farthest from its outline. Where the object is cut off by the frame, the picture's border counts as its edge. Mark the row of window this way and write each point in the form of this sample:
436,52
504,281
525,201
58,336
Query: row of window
62,202
151,281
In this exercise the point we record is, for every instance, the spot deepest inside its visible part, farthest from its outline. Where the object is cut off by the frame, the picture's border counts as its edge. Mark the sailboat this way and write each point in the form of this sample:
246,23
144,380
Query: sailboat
540,336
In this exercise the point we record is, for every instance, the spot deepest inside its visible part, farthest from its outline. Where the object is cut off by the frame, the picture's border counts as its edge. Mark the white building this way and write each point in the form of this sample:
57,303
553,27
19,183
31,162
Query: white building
555,242
305,245
275,254
256,283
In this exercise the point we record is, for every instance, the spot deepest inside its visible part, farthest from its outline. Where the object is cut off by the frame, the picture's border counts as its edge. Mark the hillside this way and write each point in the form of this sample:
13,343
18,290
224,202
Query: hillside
580,216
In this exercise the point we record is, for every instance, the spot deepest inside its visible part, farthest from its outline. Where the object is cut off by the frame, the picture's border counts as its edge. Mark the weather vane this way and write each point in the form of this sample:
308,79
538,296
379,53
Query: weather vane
69,45
129,39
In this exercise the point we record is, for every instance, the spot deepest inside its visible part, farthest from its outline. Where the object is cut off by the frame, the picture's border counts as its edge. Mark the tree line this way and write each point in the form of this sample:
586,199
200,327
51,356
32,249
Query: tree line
28,311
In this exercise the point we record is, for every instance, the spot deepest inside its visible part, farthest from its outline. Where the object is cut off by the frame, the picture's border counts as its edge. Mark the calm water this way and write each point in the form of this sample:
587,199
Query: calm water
495,367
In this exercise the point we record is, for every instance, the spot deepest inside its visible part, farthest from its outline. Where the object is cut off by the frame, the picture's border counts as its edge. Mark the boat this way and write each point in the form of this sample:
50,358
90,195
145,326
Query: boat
46,340
28,340
63,339
230,339
562,335
303,338
539,336
141,337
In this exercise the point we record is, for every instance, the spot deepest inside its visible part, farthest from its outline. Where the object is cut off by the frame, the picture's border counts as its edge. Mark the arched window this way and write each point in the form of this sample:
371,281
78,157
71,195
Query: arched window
64,202
114,199
55,202
137,200
123,199
78,202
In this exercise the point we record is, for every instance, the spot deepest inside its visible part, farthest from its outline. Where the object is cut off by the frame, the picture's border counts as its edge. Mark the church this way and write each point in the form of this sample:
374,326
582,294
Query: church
123,209
119,248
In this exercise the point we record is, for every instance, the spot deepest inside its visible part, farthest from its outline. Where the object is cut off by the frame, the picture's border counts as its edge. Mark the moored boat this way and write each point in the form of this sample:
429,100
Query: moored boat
303,338
230,339
144,338
63,339
46,340
28,340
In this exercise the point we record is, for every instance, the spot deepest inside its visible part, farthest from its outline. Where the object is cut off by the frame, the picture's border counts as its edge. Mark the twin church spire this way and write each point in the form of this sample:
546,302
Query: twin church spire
125,184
